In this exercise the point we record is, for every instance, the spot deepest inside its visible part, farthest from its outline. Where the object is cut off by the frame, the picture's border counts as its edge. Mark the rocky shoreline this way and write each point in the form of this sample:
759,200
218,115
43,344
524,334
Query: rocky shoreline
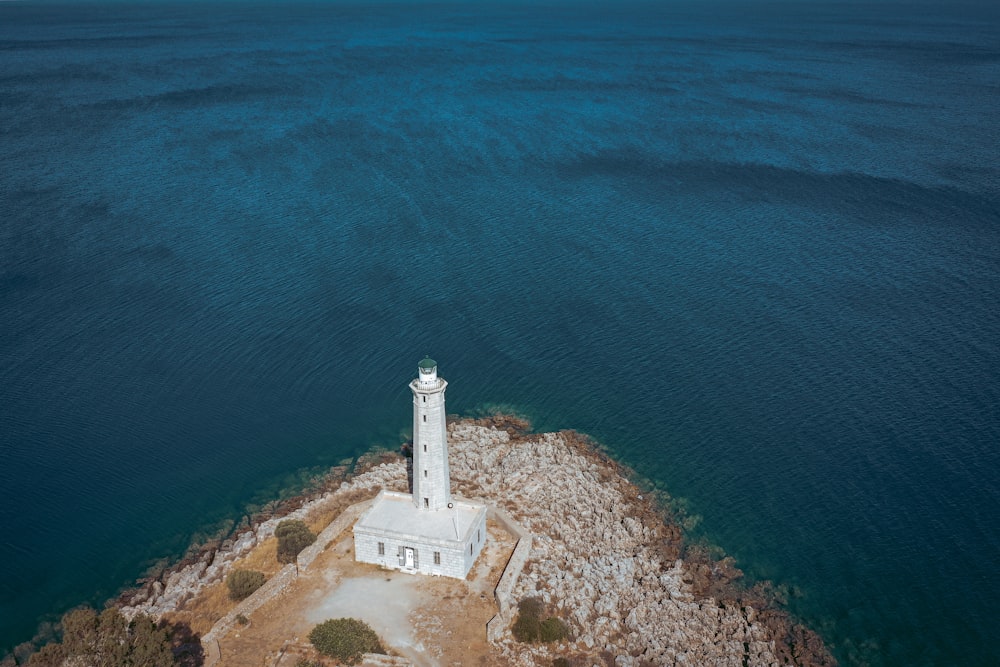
606,561
169,590
603,558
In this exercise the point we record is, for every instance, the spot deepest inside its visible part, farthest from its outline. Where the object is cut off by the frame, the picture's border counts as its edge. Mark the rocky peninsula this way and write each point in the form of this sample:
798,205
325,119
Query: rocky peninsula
603,557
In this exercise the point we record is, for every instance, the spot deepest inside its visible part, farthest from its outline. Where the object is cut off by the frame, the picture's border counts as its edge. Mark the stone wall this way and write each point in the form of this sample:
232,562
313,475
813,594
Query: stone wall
278,583
178,585
504,592
328,534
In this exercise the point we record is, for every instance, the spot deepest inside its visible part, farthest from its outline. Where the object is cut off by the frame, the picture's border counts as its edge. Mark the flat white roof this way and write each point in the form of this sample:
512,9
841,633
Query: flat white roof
393,513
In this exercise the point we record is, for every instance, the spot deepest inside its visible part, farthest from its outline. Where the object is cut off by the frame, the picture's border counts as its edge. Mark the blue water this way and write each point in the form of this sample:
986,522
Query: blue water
753,248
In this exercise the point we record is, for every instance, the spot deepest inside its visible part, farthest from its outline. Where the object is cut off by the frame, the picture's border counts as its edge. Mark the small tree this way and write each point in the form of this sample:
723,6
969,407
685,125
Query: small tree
293,536
345,639
242,583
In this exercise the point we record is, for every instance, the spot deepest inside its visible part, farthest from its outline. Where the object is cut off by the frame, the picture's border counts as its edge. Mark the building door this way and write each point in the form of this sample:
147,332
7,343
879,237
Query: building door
408,558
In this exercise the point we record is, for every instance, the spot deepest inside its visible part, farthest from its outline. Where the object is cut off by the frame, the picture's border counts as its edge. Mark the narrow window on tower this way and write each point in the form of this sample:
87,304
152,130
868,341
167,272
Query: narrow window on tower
381,548
427,502
425,418
479,536
437,557
470,548
425,473
425,448
425,399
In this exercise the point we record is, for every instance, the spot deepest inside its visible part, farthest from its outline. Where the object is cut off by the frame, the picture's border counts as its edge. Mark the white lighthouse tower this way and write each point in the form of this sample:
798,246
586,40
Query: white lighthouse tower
426,531
431,480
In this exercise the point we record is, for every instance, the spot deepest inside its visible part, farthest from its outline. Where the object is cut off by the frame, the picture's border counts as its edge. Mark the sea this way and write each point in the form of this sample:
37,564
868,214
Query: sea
751,248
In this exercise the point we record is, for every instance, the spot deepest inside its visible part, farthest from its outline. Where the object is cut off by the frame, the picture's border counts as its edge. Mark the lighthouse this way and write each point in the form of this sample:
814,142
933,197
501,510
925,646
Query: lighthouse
431,480
425,531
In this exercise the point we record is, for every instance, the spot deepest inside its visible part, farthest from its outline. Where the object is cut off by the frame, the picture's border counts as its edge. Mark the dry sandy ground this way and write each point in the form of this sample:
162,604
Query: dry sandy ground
431,621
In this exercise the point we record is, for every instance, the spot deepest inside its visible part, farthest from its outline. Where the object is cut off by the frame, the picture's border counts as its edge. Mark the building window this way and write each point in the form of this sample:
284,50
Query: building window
427,502
437,557
425,419
425,448
425,399
381,548
425,473
479,536
470,548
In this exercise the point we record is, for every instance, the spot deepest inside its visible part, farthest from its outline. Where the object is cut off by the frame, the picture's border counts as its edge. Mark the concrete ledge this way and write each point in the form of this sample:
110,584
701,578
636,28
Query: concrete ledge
497,625
330,533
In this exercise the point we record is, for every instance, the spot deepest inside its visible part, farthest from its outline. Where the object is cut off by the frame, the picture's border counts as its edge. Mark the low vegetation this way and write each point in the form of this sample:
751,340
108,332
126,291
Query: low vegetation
345,639
553,629
242,583
529,627
293,536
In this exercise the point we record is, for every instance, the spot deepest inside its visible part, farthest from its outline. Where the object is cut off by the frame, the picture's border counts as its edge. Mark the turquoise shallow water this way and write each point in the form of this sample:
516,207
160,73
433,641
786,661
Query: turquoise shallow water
753,249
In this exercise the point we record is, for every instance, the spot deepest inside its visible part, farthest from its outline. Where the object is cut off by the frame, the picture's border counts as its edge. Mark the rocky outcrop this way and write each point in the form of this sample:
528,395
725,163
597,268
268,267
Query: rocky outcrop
601,559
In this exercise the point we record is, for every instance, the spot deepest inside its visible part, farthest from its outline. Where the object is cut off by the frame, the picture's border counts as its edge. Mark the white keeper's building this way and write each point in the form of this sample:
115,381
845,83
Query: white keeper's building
427,531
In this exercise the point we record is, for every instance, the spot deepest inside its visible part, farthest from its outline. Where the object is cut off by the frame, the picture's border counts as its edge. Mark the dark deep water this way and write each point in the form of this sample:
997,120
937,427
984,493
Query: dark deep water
753,249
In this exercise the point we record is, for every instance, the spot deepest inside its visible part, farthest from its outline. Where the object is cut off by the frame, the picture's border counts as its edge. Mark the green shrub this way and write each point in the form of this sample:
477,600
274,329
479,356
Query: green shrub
345,639
552,629
526,628
529,626
242,583
293,536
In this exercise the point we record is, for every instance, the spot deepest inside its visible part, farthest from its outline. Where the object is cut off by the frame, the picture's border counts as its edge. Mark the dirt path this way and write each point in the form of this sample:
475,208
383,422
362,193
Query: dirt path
384,601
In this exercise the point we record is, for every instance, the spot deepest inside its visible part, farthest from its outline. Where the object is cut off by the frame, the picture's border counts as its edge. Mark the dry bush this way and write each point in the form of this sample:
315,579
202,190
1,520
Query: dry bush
263,557
243,583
